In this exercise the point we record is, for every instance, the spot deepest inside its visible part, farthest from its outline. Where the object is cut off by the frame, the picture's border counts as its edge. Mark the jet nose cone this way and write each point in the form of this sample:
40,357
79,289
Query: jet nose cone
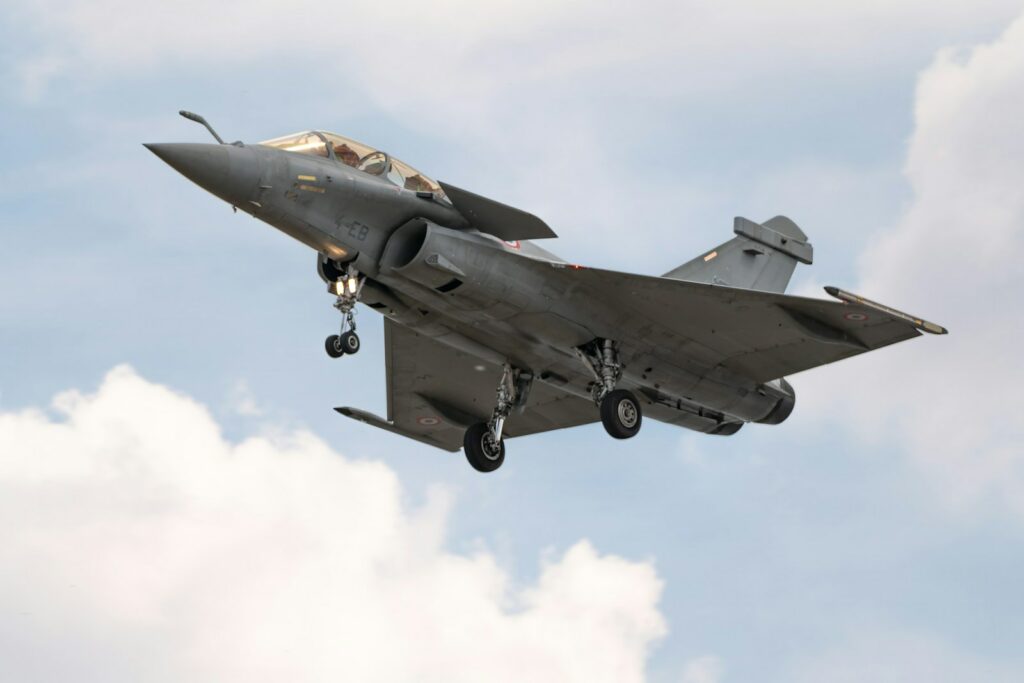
203,164
227,171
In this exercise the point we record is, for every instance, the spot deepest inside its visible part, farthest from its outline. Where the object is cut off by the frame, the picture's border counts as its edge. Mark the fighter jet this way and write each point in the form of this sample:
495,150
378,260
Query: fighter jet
488,335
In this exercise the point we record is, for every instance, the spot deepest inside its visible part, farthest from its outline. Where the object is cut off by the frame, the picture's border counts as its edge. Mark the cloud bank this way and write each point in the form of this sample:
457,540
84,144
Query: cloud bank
953,257
140,545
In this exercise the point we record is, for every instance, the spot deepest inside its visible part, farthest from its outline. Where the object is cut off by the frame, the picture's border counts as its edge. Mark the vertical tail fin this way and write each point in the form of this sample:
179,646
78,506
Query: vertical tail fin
762,256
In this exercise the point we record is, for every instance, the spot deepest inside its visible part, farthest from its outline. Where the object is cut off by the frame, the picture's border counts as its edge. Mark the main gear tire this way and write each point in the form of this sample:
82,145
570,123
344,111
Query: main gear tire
481,451
621,414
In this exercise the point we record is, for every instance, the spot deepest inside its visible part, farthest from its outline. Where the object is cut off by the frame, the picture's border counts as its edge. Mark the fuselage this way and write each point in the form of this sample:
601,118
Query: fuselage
427,268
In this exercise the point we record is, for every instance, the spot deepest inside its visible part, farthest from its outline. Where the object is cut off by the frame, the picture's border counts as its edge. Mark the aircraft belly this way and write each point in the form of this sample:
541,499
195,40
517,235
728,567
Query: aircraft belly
501,301
495,341
543,342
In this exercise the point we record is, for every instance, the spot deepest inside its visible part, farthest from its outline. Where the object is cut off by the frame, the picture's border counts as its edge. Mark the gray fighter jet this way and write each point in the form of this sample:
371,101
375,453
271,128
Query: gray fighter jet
488,335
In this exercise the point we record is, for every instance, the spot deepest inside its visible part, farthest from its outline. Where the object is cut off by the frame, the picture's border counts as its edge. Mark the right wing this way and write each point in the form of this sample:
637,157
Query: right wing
435,392
760,335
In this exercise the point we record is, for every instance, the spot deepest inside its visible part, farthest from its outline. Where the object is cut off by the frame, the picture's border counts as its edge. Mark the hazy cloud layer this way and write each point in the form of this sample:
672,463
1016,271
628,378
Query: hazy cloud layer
706,669
882,655
535,93
140,545
466,48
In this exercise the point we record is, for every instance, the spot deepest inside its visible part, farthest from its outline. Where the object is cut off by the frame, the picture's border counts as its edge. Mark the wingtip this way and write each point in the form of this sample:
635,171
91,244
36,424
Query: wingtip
919,323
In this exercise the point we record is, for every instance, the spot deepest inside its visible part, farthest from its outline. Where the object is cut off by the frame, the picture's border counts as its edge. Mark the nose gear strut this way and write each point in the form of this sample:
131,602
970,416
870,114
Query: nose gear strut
347,290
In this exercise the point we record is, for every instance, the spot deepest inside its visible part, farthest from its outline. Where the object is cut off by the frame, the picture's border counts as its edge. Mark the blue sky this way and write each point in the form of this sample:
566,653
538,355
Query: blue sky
877,533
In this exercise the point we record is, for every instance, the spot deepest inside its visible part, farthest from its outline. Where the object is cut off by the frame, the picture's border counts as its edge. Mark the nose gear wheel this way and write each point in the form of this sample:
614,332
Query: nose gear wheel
333,346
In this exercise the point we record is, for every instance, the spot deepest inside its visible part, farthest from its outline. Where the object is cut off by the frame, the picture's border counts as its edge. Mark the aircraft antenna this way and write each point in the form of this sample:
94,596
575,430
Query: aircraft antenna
199,119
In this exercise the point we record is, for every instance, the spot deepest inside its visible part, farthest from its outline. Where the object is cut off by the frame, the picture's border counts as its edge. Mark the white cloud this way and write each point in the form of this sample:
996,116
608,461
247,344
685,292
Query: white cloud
138,544
953,257
706,669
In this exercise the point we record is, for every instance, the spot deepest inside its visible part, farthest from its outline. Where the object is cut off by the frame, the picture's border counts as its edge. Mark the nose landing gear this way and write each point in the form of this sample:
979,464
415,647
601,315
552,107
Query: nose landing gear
347,288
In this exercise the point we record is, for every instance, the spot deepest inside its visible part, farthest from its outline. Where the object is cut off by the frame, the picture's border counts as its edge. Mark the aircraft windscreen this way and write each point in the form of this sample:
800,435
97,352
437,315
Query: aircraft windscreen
406,176
358,156
302,143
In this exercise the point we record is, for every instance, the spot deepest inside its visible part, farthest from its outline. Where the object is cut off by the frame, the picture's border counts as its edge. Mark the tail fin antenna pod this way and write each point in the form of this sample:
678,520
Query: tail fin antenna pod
780,234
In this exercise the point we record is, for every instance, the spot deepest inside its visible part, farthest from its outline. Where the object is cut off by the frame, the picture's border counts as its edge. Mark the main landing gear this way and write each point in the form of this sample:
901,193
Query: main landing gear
484,447
347,288
620,409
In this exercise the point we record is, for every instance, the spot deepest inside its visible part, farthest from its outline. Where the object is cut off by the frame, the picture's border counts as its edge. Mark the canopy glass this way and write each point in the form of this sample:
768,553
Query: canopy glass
359,156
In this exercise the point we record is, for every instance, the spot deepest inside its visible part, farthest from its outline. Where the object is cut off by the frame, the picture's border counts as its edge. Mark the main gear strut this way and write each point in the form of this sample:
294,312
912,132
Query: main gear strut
485,449
347,290
620,409
601,357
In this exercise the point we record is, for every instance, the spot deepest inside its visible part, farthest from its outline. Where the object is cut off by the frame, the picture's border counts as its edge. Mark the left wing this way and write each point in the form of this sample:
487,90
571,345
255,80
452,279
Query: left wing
435,392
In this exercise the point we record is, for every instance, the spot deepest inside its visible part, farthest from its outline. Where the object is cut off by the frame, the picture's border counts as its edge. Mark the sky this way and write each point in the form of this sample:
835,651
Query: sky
178,500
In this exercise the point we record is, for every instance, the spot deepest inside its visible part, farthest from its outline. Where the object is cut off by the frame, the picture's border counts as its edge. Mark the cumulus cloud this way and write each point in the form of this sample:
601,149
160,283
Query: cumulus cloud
953,257
138,544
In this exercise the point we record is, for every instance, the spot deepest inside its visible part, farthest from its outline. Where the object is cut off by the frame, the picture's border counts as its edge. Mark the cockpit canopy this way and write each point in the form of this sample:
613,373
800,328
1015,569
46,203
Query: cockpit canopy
359,156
